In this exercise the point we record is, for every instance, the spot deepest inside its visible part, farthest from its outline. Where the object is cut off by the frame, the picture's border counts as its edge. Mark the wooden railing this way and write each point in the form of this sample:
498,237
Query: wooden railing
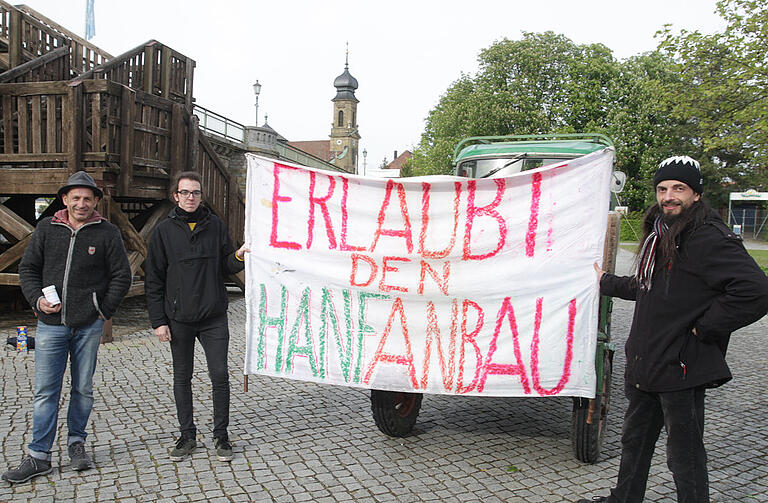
221,190
5,19
29,35
152,68
51,129
26,37
52,66
84,55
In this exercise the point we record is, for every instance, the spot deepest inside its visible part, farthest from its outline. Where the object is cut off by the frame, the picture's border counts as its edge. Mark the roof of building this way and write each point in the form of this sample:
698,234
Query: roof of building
269,129
345,85
401,160
317,148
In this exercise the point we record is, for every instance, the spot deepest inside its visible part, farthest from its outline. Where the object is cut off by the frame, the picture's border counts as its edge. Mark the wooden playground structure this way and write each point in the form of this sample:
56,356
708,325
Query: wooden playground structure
66,105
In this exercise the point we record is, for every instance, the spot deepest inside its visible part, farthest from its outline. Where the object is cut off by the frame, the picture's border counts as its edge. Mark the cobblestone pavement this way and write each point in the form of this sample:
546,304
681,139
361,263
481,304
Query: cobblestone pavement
297,441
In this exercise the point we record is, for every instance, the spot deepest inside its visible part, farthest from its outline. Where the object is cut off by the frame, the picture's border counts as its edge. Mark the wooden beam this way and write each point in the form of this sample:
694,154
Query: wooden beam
131,236
137,288
190,67
33,88
14,224
27,158
42,181
127,105
9,279
7,124
159,213
178,141
193,143
165,72
98,86
149,68
14,253
14,39
135,259
11,75
75,123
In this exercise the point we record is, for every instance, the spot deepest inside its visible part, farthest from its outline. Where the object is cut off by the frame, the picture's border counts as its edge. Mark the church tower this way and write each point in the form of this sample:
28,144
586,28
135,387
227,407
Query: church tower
345,138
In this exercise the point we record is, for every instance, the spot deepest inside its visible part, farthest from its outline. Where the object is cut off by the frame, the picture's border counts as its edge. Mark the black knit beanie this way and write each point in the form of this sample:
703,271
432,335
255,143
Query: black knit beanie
682,168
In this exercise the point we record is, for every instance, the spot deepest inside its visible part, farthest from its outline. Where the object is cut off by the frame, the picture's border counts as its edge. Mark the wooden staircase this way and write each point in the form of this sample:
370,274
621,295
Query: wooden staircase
66,105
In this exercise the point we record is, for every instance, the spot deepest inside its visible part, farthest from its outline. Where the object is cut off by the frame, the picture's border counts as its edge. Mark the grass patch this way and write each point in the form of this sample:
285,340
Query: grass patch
761,257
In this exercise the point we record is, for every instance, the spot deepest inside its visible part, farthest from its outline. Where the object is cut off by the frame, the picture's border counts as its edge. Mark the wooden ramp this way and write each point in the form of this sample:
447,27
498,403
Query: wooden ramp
127,120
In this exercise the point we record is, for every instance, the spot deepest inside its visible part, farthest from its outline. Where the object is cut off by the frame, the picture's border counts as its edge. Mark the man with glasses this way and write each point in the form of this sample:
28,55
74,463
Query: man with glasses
190,255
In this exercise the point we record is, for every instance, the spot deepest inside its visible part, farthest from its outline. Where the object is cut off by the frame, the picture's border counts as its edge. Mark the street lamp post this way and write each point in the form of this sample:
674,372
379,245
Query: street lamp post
256,91
365,156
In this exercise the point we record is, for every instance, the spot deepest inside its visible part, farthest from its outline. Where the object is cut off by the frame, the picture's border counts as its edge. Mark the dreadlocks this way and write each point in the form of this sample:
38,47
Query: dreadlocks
692,217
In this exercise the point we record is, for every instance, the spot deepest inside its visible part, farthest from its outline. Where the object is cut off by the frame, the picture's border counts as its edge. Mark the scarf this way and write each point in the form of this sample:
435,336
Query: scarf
188,217
648,254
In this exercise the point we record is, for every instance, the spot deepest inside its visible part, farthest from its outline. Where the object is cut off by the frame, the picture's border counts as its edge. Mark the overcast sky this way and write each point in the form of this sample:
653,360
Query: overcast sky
404,54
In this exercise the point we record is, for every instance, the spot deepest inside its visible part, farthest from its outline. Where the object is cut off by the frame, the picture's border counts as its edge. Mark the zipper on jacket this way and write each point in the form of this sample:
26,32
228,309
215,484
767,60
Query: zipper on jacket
667,278
96,305
683,366
65,281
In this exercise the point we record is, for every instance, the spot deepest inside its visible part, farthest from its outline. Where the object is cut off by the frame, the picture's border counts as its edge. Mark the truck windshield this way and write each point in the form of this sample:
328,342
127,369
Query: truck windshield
504,166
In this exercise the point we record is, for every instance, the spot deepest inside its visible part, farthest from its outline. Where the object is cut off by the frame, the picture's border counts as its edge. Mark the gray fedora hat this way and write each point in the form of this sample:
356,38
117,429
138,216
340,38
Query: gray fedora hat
81,179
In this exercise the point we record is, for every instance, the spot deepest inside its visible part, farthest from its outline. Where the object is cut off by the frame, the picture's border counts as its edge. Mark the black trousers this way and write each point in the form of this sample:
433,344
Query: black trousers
681,413
213,334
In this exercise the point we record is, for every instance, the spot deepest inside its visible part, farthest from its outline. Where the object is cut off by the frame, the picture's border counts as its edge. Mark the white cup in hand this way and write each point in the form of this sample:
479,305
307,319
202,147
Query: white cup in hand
51,296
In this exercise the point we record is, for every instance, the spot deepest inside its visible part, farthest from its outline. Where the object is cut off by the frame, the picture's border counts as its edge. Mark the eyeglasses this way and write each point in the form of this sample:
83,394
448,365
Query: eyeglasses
187,193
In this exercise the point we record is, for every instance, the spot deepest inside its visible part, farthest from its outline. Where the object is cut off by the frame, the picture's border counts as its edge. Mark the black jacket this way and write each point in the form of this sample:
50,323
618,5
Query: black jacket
186,270
88,266
714,286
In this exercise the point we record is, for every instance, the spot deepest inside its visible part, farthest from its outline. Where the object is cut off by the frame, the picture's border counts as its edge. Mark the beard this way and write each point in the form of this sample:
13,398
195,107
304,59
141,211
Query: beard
671,218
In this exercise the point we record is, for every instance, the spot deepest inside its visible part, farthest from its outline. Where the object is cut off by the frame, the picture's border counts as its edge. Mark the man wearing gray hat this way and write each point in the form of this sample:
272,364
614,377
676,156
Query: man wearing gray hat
82,255
695,284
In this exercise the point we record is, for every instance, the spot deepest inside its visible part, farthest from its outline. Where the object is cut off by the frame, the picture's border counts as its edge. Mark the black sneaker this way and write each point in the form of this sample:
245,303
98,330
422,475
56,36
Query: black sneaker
78,458
184,447
595,499
223,449
29,467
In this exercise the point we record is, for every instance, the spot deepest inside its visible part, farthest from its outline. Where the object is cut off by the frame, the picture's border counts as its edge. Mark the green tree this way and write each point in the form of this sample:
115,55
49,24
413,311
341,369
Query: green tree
642,125
723,93
543,83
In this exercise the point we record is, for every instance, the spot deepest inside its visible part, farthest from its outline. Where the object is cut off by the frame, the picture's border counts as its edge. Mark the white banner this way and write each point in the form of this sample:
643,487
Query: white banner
430,285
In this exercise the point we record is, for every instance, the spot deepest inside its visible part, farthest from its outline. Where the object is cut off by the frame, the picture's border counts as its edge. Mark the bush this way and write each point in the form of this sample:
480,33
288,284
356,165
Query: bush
631,227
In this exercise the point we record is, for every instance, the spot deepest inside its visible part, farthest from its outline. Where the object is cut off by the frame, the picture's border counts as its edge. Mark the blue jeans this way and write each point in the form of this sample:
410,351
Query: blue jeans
681,414
53,344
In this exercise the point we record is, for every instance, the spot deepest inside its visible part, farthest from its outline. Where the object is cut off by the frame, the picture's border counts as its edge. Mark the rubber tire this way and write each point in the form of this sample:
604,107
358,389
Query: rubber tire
588,438
395,412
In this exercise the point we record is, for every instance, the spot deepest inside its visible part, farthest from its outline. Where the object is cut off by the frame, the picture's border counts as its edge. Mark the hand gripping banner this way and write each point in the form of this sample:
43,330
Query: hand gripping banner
430,285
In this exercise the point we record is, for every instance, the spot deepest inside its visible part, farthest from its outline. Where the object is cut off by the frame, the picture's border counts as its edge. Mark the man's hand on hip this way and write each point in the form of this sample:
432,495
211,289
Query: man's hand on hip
163,333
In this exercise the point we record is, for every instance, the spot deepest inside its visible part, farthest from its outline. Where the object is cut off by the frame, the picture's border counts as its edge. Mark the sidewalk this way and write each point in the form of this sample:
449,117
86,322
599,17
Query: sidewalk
298,441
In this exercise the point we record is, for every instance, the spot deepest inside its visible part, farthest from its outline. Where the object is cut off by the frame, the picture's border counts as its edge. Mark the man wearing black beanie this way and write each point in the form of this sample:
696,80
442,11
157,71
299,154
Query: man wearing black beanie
695,284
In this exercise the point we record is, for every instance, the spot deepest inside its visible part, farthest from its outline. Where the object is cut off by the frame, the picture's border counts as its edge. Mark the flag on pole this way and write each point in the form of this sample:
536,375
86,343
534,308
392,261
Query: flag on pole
90,20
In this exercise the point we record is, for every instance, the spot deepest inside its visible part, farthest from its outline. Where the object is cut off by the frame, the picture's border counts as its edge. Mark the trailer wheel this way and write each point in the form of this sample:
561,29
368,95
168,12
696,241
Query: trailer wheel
590,418
395,412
